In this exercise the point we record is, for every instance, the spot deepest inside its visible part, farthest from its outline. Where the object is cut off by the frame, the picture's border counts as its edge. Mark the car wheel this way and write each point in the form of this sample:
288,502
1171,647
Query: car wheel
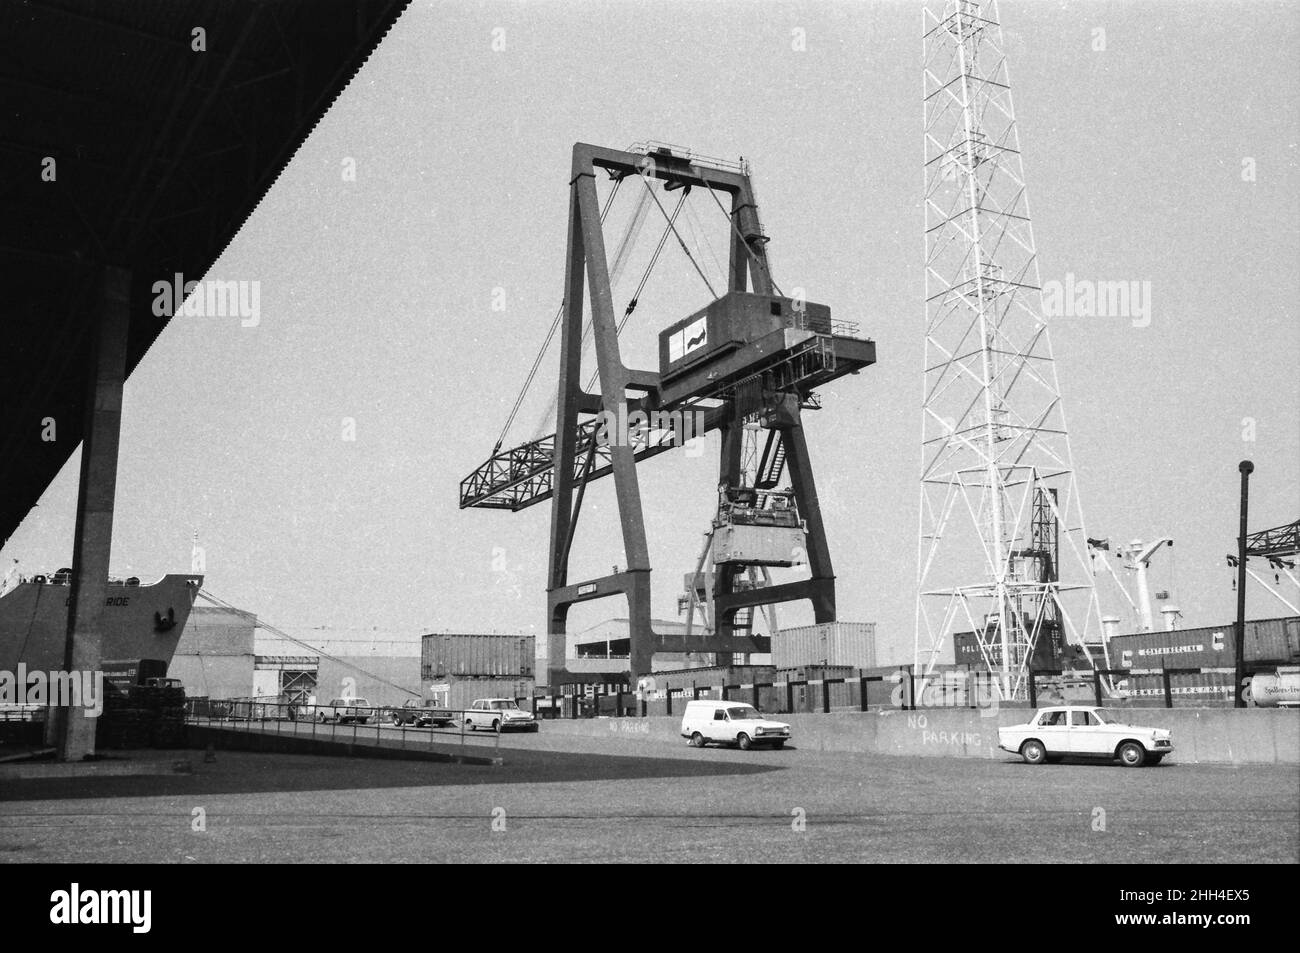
320,716
1033,752
1132,754
469,723
496,724
697,740
743,740
396,720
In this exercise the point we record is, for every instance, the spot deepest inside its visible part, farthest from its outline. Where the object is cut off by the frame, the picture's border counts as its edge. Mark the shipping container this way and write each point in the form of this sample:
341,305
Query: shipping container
966,650
1048,652
758,545
811,681
444,655
459,693
830,643
1212,688
1266,640
684,680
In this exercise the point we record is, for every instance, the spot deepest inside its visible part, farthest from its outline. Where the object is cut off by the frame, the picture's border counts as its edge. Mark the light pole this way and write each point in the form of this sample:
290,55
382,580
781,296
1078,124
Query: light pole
1239,701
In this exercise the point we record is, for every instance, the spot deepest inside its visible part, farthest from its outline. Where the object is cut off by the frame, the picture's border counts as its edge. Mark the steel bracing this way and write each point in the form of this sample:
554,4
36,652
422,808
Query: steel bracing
995,448
1275,545
768,378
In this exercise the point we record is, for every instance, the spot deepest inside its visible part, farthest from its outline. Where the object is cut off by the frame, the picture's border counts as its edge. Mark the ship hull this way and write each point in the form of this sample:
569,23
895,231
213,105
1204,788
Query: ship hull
138,623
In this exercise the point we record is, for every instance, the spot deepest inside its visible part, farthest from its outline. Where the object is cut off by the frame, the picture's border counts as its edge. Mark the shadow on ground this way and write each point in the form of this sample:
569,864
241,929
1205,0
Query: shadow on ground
241,772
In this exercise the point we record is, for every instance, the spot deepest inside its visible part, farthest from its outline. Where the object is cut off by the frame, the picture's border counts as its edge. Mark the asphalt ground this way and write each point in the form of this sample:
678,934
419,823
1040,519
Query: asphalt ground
627,800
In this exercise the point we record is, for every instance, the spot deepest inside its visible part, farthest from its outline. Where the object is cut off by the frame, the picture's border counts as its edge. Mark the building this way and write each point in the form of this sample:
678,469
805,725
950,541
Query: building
215,657
292,676
382,669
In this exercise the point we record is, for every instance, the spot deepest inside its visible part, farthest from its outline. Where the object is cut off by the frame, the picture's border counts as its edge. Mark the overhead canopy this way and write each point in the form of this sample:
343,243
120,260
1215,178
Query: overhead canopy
123,144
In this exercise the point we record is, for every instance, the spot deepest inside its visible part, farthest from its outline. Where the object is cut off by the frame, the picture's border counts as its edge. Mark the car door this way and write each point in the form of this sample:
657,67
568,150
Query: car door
1087,735
716,727
1053,730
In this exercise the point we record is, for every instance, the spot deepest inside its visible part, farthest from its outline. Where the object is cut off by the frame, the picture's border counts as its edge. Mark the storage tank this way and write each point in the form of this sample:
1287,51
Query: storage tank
469,655
828,643
1279,689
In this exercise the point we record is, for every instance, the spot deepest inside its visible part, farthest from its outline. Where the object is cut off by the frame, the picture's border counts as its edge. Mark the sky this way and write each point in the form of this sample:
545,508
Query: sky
378,294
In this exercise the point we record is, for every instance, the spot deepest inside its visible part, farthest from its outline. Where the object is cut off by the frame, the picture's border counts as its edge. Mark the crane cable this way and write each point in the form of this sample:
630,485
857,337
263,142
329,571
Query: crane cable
697,231
555,323
699,271
744,244
631,306
672,228
279,633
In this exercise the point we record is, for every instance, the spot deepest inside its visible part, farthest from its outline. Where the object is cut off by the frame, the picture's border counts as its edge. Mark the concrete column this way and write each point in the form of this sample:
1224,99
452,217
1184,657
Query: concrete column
75,736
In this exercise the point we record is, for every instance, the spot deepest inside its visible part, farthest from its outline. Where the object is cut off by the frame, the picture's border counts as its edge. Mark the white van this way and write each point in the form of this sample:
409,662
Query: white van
730,723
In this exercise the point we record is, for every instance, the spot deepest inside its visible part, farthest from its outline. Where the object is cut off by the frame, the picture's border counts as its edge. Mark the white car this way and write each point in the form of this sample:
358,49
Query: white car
340,710
732,723
1084,732
499,714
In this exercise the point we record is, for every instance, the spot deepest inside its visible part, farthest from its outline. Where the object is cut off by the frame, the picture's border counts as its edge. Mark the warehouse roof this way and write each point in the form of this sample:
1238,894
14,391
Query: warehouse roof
140,134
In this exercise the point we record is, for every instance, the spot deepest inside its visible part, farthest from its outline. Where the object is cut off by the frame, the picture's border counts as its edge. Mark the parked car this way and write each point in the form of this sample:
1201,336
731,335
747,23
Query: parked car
415,711
1078,731
499,714
155,682
340,710
733,723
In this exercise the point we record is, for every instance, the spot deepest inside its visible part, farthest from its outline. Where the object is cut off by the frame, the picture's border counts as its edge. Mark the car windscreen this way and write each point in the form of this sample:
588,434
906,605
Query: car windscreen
741,713
503,706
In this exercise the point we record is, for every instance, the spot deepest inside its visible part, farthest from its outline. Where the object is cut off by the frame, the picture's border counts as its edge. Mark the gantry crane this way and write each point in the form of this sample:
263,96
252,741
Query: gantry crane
752,355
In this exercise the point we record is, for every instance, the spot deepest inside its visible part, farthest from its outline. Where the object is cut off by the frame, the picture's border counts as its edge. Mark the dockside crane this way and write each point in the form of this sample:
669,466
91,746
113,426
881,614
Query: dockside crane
753,355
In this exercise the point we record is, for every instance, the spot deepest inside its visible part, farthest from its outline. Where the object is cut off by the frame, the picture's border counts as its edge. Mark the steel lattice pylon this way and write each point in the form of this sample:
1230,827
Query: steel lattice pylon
997,476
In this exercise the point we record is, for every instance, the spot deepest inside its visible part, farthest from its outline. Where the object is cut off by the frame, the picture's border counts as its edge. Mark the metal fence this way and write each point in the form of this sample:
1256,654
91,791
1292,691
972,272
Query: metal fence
375,726
905,689
1135,688
15,713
